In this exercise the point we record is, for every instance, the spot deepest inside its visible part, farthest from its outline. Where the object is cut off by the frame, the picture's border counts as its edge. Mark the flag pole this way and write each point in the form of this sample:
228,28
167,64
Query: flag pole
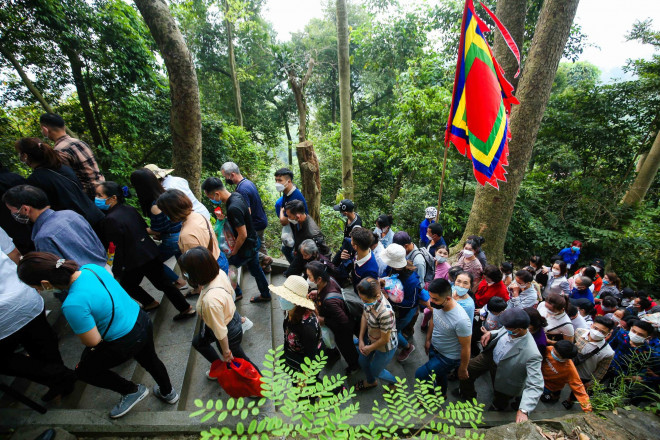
442,181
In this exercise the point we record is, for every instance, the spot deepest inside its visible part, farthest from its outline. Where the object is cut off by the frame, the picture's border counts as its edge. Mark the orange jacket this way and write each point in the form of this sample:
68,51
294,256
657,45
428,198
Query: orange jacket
557,374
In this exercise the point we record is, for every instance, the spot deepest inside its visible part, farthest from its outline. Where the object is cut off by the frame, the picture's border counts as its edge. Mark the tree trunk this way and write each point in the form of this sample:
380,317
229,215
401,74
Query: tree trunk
645,176
232,67
29,84
345,100
512,15
83,98
186,119
289,141
310,178
492,209
397,188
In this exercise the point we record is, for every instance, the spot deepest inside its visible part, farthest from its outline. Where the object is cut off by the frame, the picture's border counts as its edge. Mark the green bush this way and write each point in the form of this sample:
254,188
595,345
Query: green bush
302,404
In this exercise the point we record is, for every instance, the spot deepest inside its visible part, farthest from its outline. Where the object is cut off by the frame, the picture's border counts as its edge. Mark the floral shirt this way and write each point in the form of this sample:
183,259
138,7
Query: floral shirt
303,338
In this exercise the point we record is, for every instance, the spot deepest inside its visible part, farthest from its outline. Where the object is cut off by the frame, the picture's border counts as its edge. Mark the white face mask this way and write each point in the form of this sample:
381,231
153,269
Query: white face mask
293,222
379,231
440,259
596,268
279,187
467,253
555,272
636,339
429,237
312,285
596,335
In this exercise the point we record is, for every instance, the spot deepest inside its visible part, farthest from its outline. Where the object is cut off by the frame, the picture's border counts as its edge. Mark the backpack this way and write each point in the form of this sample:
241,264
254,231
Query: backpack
429,260
354,304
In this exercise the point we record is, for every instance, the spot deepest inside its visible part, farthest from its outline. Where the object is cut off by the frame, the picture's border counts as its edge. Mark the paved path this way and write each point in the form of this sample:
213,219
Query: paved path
87,406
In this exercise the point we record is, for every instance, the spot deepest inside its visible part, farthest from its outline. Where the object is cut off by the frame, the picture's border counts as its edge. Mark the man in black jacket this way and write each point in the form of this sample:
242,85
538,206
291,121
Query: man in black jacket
19,233
304,227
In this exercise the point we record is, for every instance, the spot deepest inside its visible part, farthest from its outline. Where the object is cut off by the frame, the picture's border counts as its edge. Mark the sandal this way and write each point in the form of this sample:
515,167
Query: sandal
259,299
361,385
185,315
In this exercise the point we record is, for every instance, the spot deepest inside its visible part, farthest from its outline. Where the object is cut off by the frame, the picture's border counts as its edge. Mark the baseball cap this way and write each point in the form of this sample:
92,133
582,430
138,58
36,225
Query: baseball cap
344,206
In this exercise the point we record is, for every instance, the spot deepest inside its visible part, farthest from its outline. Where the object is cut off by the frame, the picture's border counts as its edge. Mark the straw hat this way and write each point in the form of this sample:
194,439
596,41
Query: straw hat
394,256
294,290
158,172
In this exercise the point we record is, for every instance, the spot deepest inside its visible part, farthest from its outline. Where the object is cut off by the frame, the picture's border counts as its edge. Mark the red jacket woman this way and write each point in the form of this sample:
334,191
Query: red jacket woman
491,285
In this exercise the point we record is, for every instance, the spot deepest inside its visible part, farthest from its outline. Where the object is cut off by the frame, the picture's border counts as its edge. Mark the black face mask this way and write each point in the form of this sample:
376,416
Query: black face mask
228,182
438,306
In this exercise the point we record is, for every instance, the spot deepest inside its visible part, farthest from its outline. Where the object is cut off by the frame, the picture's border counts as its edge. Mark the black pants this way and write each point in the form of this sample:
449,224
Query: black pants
203,341
44,365
154,272
344,341
95,363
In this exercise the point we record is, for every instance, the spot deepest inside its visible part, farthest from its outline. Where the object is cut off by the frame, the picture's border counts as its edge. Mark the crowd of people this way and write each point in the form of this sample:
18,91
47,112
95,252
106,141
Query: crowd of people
66,231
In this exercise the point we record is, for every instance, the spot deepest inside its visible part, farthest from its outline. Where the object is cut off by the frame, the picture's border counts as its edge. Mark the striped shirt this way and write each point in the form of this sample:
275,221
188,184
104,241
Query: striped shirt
380,318
77,155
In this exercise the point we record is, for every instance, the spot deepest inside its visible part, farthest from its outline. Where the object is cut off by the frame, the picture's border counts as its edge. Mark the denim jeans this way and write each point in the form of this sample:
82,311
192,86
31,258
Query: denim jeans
374,365
255,269
288,253
203,341
439,365
404,317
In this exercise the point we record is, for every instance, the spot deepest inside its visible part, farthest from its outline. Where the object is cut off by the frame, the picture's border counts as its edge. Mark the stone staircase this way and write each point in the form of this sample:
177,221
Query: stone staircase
85,411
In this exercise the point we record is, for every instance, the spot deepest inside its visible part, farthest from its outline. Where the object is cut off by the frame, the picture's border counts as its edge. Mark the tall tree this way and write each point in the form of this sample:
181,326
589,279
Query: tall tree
512,14
232,64
308,162
345,99
646,175
492,209
185,114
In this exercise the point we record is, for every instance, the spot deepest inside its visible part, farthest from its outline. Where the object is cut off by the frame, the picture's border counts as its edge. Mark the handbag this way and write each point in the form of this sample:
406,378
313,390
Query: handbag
238,378
394,289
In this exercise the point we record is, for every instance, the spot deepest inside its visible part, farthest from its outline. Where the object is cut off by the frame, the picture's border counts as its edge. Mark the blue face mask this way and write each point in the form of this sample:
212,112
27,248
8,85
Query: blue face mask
557,358
460,291
575,248
215,202
286,305
605,282
369,304
510,333
100,203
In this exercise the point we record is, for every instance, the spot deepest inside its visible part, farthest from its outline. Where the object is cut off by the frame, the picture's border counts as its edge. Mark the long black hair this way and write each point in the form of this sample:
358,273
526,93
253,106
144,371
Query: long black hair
148,188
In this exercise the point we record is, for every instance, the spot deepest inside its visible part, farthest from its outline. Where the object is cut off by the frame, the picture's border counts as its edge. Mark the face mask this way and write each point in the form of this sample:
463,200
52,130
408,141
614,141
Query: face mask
293,222
228,182
429,237
467,253
596,335
379,231
286,305
460,291
511,333
438,306
490,283
636,339
100,203
21,218
555,272
596,268
605,282
366,305
215,202
625,302
312,285
557,358
575,248
279,187
440,259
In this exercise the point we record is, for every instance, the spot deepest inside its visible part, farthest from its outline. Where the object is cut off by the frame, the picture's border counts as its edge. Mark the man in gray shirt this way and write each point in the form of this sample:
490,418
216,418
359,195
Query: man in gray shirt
448,337
64,233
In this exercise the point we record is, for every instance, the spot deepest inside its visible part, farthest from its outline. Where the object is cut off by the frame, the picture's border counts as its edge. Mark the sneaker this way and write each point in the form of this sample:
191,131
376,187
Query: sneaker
171,398
247,324
405,353
208,375
128,401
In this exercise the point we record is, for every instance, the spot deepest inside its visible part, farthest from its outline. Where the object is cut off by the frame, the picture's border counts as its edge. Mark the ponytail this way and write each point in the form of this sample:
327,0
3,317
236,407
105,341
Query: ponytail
38,153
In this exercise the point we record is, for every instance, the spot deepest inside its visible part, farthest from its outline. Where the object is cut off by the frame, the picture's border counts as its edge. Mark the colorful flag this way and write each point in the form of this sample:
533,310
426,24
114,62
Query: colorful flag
478,122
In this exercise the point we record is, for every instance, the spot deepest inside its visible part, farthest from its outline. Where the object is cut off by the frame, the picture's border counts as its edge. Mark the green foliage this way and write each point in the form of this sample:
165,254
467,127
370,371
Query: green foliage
619,391
303,403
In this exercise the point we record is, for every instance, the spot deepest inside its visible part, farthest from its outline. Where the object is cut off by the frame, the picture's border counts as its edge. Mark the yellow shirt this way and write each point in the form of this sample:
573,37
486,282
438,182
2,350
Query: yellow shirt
195,232
216,304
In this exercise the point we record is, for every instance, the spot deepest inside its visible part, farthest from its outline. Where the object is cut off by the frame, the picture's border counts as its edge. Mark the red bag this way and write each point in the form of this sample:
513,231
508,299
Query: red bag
238,378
